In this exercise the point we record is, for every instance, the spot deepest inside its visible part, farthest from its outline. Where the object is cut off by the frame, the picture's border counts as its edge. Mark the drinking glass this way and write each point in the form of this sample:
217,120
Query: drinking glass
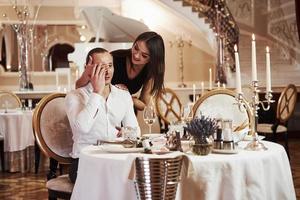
149,116
187,113
30,104
129,133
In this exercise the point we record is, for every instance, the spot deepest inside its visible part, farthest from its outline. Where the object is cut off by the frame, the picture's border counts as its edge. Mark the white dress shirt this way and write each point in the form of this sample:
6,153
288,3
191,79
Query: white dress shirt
93,118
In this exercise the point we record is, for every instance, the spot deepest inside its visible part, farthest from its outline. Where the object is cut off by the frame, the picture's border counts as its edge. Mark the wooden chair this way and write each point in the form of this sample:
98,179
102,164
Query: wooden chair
222,103
157,178
168,107
8,100
285,108
54,138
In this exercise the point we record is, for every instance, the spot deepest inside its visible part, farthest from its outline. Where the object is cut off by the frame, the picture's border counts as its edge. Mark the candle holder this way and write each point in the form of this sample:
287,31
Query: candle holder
255,144
180,45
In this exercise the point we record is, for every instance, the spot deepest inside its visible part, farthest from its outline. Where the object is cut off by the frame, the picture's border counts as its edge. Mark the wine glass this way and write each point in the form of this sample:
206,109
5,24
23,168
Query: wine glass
149,116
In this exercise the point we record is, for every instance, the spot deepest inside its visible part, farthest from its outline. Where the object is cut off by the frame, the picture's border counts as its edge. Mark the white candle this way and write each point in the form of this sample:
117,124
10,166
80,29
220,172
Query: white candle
237,71
268,70
218,84
224,85
76,74
30,104
202,87
194,93
210,79
254,67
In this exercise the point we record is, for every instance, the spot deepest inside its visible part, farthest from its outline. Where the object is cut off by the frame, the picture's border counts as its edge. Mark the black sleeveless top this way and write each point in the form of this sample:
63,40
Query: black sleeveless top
120,74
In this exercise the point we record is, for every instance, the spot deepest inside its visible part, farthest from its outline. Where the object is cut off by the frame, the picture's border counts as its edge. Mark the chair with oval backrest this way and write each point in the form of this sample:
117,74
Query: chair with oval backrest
54,138
8,100
157,178
222,103
168,107
285,108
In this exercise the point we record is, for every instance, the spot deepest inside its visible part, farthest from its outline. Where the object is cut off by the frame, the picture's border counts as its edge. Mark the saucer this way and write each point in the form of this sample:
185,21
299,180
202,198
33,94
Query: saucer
225,151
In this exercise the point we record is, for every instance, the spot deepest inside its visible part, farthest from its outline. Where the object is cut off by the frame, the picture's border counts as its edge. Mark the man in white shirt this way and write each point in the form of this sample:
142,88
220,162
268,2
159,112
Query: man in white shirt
96,110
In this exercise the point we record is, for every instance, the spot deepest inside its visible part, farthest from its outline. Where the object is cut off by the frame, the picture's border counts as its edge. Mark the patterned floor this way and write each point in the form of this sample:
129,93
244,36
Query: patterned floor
17,186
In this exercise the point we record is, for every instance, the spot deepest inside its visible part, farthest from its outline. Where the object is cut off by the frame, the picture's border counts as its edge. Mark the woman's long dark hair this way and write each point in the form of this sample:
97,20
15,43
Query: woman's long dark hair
156,65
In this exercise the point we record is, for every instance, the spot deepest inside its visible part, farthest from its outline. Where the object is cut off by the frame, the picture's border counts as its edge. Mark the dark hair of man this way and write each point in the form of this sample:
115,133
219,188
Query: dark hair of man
95,50
156,65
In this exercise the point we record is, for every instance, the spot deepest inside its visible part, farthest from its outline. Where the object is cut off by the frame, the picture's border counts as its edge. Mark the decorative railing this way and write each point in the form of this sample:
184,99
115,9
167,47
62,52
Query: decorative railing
220,18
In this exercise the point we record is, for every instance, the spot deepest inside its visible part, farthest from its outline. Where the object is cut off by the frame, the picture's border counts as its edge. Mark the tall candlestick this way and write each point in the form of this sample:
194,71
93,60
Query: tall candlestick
194,93
202,87
76,74
237,71
254,67
268,70
210,79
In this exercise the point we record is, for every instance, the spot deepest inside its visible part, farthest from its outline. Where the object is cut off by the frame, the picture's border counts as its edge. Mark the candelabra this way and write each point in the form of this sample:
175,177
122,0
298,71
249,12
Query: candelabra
180,45
255,144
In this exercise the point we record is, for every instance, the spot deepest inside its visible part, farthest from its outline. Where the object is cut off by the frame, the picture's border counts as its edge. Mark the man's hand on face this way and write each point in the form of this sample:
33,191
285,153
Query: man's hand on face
98,78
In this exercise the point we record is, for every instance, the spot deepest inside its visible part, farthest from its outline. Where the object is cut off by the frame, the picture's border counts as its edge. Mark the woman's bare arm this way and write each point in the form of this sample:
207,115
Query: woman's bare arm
145,95
86,75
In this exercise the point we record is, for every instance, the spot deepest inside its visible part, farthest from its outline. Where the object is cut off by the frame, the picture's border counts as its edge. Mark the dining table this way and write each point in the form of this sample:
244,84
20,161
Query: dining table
233,175
16,128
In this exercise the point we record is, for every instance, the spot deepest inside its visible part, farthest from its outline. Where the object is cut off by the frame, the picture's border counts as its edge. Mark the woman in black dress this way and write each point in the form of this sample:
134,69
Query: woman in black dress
141,67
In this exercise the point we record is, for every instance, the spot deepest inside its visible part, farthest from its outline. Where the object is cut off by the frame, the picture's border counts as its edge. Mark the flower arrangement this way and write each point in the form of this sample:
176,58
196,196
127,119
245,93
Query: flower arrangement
201,129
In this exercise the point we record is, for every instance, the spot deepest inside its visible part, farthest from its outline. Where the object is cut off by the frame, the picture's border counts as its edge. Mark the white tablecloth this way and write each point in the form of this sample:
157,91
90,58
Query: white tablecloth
246,175
16,127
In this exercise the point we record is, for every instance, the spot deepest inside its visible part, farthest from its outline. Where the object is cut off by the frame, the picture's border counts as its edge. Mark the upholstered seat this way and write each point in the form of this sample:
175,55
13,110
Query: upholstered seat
264,128
285,108
60,184
54,138
168,107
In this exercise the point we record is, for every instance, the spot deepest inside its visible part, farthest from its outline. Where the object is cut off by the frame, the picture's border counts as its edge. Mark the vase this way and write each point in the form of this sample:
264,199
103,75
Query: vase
202,149
23,58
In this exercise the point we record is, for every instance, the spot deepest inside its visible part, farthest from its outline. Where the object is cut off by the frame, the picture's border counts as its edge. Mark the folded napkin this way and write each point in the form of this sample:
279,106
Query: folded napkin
186,170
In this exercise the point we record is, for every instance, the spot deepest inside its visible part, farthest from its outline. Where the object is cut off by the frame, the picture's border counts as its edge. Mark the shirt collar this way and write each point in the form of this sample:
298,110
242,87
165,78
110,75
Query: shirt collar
89,88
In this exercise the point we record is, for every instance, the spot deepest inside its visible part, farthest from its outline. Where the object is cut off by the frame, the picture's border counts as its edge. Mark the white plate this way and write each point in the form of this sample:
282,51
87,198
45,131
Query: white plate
249,137
160,151
225,151
10,111
153,135
117,149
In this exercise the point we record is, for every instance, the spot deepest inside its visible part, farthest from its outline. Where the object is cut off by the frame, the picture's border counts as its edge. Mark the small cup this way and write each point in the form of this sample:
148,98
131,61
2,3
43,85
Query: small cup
228,145
186,145
227,130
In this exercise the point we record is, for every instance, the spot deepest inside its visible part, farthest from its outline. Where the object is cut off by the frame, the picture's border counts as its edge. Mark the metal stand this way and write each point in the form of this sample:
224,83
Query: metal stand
255,144
180,44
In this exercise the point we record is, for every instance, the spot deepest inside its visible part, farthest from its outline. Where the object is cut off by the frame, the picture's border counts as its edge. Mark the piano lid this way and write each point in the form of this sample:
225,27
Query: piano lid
82,49
111,27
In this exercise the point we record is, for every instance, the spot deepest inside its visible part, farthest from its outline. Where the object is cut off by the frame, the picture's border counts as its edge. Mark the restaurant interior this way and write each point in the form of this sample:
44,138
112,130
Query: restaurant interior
225,125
